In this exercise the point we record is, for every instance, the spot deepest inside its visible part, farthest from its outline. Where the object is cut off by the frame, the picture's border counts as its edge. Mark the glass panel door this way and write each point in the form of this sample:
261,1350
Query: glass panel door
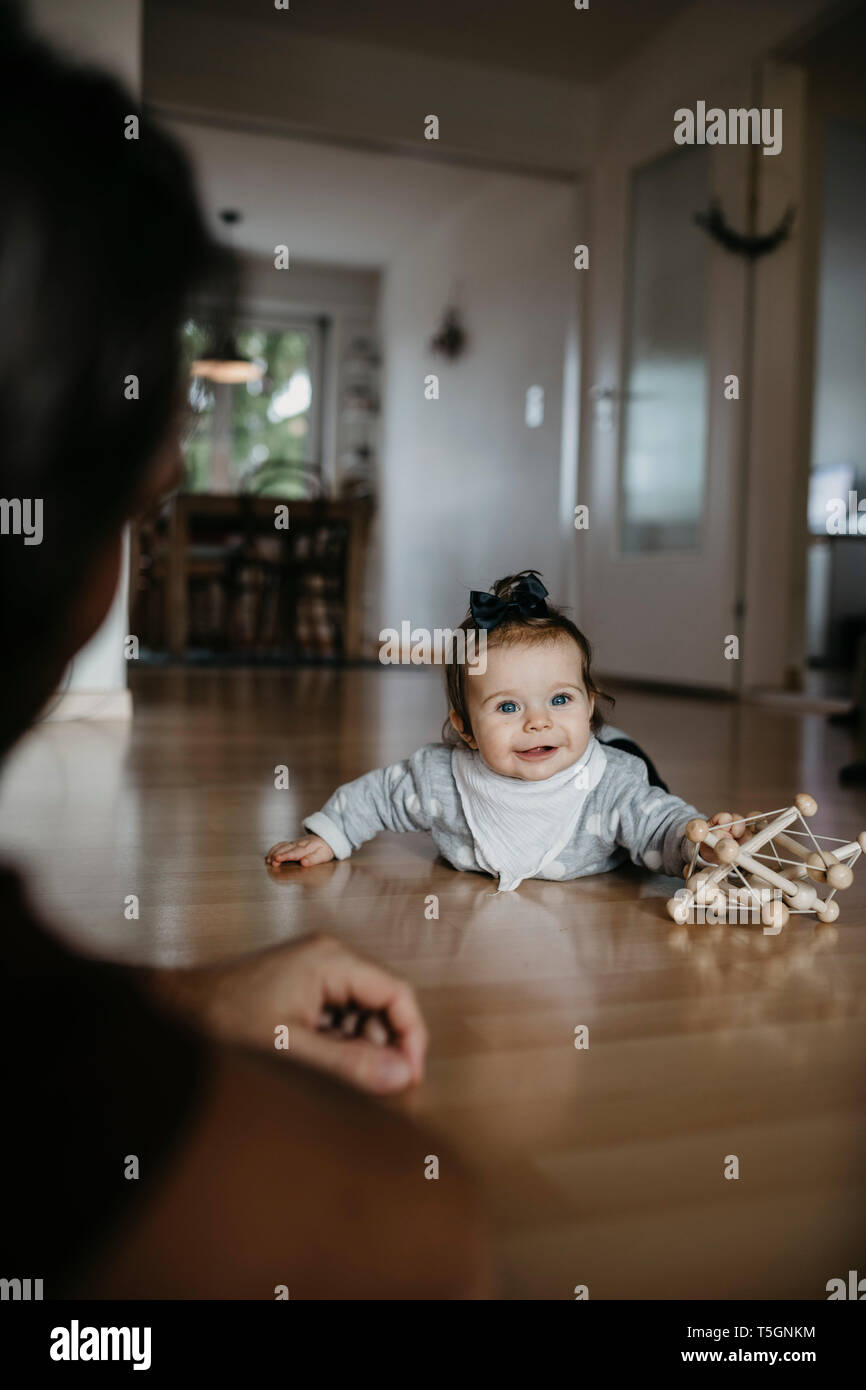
664,424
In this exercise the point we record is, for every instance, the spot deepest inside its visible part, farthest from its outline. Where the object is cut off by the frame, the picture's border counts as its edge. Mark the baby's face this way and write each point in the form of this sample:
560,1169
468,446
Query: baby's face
530,711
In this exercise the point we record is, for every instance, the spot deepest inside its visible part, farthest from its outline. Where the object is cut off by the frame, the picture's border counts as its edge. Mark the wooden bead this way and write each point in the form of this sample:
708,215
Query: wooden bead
727,850
697,830
774,914
861,840
679,909
839,876
817,864
805,804
706,892
827,911
696,881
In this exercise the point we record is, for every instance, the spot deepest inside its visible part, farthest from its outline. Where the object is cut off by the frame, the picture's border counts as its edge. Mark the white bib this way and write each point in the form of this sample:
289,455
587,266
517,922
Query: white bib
520,827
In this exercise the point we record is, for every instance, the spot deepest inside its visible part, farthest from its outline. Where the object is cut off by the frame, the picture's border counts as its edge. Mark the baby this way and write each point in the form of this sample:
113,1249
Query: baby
528,782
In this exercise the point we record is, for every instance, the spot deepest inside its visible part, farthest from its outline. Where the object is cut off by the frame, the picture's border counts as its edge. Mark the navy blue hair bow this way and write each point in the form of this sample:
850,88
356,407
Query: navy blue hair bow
527,599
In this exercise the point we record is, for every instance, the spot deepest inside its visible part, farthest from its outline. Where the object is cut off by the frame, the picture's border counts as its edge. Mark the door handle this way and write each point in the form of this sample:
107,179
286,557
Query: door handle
603,398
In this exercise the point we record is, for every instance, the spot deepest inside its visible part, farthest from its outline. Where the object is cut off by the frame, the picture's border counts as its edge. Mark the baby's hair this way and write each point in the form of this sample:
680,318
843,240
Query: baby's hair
512,630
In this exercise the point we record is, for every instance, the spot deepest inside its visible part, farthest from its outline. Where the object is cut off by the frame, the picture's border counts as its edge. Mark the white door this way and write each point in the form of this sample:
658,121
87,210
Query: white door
660,457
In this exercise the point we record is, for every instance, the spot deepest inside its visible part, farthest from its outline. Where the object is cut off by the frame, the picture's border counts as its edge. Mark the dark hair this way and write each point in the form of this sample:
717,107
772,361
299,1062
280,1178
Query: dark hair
101,244
509,632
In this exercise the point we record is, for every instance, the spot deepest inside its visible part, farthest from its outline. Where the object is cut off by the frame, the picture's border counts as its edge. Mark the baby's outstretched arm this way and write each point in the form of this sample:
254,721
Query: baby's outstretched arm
647,821
389,798
652,824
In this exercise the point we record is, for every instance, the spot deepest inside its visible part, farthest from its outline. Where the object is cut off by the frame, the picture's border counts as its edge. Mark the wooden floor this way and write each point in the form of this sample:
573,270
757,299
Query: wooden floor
601,1167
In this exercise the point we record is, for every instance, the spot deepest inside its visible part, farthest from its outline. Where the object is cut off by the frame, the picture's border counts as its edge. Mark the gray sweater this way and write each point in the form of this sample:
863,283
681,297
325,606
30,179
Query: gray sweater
622,817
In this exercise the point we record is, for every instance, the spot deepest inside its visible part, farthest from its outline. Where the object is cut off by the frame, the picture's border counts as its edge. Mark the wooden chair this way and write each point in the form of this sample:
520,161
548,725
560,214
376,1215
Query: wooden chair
226,579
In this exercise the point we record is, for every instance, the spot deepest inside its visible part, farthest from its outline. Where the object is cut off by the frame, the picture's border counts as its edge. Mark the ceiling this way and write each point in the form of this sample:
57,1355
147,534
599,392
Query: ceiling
543,37
357,210
838,47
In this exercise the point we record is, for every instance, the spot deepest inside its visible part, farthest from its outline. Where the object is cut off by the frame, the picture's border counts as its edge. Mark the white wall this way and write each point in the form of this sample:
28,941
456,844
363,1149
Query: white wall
108,33
469,492
308,288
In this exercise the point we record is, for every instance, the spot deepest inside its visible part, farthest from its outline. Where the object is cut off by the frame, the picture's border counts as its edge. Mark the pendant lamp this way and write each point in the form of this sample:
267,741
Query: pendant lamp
226,364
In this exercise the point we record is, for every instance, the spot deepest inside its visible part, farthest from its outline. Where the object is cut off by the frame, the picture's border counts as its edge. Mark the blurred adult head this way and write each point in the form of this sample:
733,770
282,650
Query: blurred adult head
102,243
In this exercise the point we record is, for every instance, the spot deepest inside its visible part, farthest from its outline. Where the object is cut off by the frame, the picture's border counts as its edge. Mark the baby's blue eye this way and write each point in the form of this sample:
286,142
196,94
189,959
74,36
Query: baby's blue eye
562,698
507,706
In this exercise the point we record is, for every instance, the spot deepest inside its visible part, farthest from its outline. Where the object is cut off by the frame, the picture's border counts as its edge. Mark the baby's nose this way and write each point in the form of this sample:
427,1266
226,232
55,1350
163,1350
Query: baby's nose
538,719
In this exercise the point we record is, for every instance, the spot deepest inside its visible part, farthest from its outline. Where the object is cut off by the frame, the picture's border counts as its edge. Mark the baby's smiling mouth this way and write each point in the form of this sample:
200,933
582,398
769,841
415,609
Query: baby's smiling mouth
541,750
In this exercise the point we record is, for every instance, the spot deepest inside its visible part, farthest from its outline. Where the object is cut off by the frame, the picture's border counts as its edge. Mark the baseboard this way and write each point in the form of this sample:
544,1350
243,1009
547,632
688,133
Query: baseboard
645,685
88,704
798,702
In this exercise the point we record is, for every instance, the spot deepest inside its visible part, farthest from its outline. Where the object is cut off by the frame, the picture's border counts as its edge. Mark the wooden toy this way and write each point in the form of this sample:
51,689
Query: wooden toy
769,873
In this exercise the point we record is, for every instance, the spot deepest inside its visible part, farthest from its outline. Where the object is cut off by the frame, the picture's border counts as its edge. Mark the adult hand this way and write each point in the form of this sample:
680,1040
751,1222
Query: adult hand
292,985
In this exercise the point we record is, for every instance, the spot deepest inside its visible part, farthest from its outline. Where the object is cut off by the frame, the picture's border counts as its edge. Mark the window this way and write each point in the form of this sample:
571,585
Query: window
259,436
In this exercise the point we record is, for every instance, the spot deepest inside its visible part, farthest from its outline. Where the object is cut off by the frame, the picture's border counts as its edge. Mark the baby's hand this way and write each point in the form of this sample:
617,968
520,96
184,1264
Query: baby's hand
725,823
308,850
